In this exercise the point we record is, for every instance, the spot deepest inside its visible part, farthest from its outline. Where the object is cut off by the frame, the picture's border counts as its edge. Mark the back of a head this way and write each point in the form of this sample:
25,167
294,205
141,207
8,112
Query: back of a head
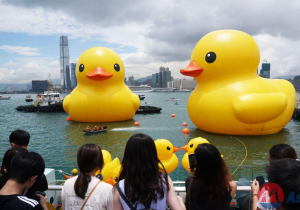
280,151
212,173
9,154
140,169
286,174
19,138
89,158
25,165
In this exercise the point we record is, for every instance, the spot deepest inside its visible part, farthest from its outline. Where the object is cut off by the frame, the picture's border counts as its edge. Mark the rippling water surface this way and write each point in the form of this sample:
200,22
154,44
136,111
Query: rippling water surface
58,140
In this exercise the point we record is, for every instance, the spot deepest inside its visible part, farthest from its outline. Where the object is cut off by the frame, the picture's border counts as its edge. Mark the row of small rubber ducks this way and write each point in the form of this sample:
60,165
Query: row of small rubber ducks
165,152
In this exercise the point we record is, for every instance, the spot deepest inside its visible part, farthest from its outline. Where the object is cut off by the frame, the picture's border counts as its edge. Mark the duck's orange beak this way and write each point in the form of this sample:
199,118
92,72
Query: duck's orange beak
110,181
192,70
175,149
184,148
99,74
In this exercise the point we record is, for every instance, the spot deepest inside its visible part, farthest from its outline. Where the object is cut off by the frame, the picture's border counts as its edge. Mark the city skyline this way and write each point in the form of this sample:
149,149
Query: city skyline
144,37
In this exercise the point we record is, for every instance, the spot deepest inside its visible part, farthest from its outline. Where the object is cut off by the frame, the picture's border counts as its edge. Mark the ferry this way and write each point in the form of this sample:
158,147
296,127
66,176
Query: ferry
4,97
141,88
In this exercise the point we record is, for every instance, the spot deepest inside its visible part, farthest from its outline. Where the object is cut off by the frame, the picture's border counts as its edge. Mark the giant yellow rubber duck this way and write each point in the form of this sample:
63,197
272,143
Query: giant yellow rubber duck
101,94
190,149
230,98
165,153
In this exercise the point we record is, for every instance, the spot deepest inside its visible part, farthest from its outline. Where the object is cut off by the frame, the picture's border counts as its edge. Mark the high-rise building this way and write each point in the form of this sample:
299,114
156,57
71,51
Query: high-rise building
265,70
39,86
131,80
65,81
73,75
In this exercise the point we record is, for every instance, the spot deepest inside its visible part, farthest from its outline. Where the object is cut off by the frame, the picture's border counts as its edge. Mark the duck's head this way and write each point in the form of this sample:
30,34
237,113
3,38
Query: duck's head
193,143
165,149
223,54
106,156
99,66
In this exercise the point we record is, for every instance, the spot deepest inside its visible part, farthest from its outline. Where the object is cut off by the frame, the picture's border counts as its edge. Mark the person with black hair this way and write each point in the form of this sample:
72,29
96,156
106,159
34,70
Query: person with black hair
280,151
211,186
86,190
25,169
143,185
285,173
9,154
19,138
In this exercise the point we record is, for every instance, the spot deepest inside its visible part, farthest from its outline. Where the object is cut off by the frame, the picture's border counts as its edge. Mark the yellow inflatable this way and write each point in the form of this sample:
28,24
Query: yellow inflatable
165,153
190,149
108,169
230,98
115,177
101,94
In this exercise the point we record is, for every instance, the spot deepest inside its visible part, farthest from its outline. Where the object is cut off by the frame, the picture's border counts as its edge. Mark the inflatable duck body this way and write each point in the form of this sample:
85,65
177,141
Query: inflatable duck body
230,98
101,94
165,153
190,149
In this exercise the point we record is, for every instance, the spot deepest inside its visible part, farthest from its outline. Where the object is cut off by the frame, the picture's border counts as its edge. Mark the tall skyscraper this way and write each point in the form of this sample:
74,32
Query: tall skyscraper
65,81
265,70
73,75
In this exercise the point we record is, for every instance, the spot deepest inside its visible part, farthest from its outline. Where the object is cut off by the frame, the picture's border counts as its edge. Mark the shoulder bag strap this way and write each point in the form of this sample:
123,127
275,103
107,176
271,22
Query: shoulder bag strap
124,197
89,195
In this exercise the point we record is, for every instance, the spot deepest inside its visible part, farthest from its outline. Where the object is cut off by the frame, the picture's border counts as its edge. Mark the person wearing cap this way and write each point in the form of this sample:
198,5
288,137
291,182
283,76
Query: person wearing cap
74,173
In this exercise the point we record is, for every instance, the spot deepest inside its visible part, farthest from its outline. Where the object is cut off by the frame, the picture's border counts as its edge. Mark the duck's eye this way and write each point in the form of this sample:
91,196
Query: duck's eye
81,67
116,179
210,57
191,145
117,67
168,148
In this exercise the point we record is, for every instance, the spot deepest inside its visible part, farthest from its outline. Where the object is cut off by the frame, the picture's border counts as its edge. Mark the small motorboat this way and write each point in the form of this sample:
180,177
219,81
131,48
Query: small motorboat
4,97
176,103
28,98
142,97
172,99
104,128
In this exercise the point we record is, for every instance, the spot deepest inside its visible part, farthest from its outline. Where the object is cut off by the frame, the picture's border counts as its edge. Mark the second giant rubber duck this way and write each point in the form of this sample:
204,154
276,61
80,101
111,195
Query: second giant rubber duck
101,94
165,153
230,98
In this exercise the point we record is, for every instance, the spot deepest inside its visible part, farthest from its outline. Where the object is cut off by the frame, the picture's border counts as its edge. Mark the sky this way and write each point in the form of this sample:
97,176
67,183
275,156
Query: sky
146,34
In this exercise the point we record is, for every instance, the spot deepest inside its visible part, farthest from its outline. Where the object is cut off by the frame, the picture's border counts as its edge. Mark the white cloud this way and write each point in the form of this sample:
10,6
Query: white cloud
10,64
29,51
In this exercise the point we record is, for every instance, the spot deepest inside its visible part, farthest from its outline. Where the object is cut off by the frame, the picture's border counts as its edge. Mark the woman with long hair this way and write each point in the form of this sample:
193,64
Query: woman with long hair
211,186
142,183
86,191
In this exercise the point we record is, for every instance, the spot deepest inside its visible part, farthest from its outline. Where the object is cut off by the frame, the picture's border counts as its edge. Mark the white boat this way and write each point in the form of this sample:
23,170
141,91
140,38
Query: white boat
48,98
28,98
4,97
141,88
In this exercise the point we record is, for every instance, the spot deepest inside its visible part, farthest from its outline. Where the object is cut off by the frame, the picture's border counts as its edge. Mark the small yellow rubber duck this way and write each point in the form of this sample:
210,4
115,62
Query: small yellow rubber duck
190,149
165,153
230,98
108,170
101,94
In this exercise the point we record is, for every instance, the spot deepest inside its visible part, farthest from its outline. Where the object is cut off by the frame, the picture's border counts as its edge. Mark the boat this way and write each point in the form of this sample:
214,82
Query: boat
176,103
4,97
172,99
148,110
49,101
98,131
28,98
141,88
142,97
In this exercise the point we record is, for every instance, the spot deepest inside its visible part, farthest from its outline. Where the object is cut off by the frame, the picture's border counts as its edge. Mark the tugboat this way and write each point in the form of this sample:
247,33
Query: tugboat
28,98
4,97
49,101
148,110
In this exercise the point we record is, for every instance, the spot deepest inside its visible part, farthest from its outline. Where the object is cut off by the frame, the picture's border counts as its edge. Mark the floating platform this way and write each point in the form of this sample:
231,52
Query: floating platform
148,110
57,107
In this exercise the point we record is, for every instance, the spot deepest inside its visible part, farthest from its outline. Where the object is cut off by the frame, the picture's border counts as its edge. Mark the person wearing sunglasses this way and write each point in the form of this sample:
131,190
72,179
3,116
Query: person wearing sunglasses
25,169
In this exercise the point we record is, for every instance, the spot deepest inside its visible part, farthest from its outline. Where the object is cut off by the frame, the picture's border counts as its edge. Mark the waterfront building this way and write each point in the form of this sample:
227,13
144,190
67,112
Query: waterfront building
39,86
296,82
182,84
154,81
73,75
65,81
125,80
265,70
162,78
131,80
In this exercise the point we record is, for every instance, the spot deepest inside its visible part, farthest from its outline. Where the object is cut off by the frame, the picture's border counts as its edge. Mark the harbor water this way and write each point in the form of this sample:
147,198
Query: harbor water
58,140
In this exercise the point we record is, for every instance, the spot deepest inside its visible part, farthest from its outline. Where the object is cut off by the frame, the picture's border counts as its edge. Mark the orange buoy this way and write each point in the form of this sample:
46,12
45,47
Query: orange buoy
172,115
136,123
186,131
69,119
184,124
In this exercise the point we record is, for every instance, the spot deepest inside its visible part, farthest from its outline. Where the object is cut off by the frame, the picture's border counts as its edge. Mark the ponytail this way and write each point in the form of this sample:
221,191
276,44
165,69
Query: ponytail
81,185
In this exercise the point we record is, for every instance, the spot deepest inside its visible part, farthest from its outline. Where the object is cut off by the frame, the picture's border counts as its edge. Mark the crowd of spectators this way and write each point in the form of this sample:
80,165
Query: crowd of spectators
142,184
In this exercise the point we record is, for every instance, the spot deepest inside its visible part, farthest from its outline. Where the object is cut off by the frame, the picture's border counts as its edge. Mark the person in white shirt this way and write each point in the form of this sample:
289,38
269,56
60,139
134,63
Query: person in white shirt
86,191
